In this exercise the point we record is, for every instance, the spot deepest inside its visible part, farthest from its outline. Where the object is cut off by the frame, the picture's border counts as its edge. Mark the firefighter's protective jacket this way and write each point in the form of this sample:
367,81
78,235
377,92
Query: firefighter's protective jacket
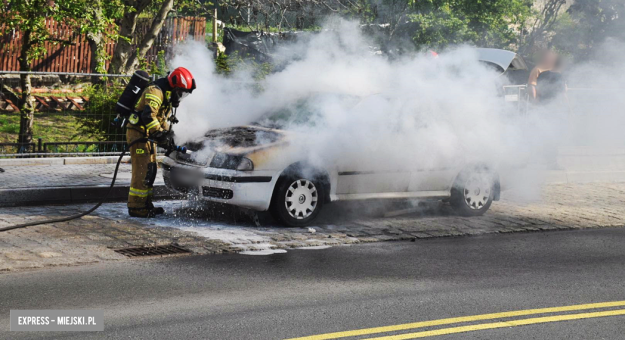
159,108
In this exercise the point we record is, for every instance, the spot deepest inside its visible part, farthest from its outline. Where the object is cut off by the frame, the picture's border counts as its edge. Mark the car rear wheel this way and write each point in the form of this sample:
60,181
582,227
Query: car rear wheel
297,199
473,192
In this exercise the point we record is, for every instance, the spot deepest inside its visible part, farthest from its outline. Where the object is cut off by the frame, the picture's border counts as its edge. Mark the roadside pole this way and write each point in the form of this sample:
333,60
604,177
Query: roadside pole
215,25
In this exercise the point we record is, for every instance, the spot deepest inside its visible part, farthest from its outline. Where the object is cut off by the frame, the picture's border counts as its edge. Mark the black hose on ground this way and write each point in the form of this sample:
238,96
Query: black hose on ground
73,217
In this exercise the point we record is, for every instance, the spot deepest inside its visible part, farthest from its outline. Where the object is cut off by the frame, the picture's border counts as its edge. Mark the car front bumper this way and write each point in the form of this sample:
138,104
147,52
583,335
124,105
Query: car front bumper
248,189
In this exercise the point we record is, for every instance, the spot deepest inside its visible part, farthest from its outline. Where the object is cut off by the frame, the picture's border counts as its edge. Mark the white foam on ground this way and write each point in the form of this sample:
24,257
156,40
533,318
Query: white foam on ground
228,234
263,252
244,238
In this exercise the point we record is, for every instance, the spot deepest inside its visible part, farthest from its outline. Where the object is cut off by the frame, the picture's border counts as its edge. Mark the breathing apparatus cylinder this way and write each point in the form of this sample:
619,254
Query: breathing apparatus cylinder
127,101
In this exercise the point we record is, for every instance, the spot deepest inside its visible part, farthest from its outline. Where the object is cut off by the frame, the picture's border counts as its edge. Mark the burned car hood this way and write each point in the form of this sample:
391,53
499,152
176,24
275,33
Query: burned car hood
239,139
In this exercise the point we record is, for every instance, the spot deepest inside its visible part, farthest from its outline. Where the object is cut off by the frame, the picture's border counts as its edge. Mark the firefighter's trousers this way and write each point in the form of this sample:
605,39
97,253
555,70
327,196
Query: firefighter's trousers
143,158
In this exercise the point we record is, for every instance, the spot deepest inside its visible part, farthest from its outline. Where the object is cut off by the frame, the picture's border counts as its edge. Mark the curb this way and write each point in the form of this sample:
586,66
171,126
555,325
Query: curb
64,195
66,161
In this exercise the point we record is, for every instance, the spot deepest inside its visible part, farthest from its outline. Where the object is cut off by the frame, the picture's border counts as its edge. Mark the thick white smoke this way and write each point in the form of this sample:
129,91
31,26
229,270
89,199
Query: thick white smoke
595,100
380,114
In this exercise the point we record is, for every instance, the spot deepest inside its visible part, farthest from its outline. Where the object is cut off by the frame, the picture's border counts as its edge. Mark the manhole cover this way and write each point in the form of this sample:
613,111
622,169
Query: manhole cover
153,251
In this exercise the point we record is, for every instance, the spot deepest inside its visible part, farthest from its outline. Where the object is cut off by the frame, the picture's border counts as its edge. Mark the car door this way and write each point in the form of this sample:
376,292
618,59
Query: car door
371,176
377,169
432,179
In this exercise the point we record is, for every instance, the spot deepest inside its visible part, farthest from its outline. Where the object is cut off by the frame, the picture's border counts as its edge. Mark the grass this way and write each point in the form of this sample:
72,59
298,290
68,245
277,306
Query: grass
49,126
8,126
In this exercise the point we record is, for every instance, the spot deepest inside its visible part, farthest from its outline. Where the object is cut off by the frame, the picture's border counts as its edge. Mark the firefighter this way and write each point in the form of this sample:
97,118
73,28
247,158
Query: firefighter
150,121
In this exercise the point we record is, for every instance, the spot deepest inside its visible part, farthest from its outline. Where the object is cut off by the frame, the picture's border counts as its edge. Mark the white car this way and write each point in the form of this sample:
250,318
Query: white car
252,167
249,169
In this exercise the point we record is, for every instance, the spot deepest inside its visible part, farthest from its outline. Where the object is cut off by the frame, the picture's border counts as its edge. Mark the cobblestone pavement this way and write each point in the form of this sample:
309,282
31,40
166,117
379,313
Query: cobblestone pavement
15,177
209,229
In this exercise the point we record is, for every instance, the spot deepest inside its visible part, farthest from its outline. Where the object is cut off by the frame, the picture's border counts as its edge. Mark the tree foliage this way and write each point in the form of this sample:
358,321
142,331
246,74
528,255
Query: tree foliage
540,25
487,23
588,23
99,23
126,56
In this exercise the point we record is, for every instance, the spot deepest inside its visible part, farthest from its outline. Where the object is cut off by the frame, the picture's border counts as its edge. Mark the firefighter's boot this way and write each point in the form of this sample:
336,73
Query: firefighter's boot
141,212
158,210
149,182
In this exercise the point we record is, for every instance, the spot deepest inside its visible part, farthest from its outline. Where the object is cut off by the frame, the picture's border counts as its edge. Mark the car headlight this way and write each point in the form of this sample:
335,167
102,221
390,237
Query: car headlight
246,164
233,162
224,161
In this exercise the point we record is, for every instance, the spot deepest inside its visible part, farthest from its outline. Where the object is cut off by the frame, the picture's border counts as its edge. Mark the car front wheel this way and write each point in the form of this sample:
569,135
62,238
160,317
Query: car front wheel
473,192
297,200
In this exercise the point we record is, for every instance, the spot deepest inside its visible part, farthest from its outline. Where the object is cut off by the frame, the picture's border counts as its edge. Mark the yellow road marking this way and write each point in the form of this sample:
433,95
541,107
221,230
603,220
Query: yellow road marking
448,321
503,324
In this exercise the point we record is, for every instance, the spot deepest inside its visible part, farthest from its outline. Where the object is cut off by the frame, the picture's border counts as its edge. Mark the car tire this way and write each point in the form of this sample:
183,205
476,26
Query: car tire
473,192
297,199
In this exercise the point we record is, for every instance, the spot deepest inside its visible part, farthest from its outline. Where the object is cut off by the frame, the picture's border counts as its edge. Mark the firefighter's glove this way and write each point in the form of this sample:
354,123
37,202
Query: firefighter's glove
162,138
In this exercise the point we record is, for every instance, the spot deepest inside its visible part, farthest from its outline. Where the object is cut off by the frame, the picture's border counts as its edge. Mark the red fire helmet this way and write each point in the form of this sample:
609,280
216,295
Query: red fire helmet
181,78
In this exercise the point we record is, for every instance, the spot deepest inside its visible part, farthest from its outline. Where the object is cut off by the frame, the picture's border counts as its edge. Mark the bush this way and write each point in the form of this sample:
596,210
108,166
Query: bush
95,123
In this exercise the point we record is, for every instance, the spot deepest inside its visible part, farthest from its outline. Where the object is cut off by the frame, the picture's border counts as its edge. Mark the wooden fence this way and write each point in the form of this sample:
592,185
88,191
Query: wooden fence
76,57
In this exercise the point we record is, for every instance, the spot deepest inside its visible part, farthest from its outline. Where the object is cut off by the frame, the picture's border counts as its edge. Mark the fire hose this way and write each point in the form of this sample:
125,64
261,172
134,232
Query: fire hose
79,215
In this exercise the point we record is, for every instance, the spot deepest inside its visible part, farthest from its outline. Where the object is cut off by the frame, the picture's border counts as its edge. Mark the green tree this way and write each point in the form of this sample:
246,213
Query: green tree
540,27
126,56
587,24
487,23
98,23
28,17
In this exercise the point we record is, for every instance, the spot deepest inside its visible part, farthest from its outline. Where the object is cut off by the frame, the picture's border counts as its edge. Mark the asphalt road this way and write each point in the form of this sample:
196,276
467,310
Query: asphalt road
308,292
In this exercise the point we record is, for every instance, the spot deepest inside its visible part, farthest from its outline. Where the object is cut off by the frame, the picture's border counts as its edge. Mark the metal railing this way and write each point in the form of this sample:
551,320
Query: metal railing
83,147
517,95
57,149
18,149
